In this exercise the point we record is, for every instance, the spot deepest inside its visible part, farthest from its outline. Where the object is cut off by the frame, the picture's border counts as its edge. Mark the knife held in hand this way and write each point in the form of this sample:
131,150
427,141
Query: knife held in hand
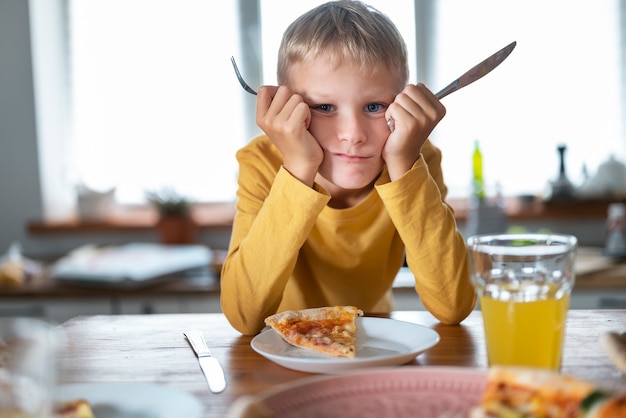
476,72
210,366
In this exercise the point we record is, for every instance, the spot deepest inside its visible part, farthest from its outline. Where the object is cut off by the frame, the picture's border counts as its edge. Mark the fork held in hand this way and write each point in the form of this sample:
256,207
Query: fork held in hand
245,85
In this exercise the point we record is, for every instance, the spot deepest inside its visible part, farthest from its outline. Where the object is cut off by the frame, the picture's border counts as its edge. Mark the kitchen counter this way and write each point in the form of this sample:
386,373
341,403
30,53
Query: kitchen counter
219,217
594,271
600,283
197,291
43,286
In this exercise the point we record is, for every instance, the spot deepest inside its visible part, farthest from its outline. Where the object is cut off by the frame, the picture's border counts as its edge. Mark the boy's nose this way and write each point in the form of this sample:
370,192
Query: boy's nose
350,129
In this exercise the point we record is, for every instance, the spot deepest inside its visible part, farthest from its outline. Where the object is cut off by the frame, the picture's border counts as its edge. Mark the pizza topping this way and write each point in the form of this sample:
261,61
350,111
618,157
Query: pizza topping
592,399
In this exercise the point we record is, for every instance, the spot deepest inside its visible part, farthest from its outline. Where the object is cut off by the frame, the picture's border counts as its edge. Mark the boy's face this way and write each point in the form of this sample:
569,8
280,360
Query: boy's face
347,119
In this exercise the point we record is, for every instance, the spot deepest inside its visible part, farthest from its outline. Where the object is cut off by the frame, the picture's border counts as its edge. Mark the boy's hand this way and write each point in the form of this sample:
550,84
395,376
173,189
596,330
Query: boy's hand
415,111
285,118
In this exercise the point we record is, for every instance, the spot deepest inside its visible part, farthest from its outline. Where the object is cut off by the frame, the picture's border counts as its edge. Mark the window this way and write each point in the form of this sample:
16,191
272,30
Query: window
154,101
154,98
150,105
561,85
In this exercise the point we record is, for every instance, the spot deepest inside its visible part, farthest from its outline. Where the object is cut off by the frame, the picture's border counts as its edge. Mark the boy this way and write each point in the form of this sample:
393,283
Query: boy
329,201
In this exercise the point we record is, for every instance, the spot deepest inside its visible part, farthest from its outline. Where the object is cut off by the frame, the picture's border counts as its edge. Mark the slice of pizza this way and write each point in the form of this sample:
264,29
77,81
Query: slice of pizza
516,392
329,330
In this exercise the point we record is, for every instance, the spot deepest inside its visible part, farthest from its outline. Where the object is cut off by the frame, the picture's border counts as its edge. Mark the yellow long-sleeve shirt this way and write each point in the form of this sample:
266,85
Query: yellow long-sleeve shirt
289,250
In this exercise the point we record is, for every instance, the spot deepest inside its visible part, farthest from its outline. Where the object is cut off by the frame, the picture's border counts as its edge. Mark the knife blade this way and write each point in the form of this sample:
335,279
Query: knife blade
478,71
211,368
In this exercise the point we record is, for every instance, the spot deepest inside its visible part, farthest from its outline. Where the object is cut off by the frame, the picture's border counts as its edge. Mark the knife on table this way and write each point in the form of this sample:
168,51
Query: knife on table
210,366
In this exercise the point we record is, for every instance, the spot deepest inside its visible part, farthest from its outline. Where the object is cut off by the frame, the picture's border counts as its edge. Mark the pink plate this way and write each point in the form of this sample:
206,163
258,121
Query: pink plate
403,392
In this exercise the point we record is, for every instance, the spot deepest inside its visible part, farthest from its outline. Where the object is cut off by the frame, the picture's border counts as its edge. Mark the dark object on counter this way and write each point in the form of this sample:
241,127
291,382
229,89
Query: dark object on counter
527,200
616,231
561,189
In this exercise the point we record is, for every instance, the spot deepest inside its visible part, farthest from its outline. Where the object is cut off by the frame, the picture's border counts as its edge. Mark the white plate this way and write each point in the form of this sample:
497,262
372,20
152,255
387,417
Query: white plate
133,400
379,342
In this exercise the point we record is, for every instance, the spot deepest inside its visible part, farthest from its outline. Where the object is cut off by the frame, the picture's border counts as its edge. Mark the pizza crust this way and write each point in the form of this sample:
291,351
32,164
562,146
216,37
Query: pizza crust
315,314
78,408
615,346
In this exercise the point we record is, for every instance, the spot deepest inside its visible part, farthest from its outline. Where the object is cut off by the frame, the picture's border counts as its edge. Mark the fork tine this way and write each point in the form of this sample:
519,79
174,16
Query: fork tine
245,85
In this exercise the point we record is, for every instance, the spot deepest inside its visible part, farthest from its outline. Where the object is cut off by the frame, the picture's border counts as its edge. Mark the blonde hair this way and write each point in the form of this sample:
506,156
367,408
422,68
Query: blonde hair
345,31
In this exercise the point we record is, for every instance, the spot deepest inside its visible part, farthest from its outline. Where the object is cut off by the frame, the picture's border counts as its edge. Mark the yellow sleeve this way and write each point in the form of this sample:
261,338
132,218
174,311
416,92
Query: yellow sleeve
275,214
435,250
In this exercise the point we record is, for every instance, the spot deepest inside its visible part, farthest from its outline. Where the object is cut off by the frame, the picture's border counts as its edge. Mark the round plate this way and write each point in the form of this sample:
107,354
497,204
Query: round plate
379,342
402,392
131,400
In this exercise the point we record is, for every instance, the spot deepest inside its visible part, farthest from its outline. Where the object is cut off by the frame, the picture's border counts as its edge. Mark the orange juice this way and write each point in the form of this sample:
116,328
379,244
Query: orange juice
526,333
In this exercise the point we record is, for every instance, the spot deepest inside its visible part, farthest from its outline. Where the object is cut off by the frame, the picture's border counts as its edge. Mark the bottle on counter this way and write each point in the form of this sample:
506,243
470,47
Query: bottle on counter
478,182
486,214
561,189
616,231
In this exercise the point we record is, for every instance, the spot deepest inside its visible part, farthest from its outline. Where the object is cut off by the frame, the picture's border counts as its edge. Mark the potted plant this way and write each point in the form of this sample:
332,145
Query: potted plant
175,224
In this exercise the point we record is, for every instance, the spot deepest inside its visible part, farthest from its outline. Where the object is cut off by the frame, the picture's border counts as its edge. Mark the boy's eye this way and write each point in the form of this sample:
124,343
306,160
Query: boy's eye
323,107
374,107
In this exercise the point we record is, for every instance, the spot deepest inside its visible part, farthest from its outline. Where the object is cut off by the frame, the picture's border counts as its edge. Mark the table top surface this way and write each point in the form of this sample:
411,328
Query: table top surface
152,349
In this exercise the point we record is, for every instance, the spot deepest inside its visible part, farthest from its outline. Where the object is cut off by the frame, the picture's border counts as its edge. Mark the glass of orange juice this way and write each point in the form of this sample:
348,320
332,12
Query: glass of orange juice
523,282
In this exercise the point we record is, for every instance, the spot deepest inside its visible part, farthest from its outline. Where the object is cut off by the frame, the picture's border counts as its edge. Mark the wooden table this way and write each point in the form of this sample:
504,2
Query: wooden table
152,349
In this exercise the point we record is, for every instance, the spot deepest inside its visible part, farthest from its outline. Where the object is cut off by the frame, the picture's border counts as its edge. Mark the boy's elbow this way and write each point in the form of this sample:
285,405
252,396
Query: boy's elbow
455,315
249,329
452,319
242,324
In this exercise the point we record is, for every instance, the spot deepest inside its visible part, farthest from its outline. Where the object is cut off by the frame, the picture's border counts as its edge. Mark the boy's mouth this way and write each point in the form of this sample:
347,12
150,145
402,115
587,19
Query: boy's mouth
351,158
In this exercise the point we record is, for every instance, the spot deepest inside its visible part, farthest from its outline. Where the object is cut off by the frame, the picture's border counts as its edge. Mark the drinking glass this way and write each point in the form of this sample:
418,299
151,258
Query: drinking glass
28,367
523,282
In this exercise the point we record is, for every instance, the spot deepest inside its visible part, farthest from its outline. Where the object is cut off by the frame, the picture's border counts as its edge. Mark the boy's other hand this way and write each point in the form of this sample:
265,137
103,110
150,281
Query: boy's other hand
415,111
285,119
